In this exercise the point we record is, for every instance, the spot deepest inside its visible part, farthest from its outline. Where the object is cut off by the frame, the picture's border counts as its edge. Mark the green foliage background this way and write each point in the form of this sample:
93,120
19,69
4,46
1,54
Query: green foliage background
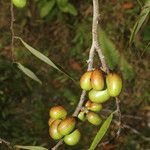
61,30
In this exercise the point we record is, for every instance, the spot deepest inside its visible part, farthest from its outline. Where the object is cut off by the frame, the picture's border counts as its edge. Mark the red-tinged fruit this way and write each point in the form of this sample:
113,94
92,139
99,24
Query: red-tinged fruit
19,3
99,96
96,107
50,121
85,81
114,84
73,138
94,118
67,125
97,80
57,112
53,130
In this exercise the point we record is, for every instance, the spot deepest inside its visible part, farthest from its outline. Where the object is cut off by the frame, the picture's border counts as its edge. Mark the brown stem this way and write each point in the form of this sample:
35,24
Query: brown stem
8,144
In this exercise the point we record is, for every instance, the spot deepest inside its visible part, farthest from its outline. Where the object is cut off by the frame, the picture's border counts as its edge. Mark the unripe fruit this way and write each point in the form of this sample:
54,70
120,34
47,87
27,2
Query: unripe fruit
53,130
82,116
19,3
85,81
50,121
97,80
99,96
93,106
114,84
67,125
94,118
73,138
57,112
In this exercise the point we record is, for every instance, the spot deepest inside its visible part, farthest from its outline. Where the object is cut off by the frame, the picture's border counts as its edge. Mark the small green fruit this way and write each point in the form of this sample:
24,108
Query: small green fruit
97,80
67,125
57,112
73,138
85,81
94,118
96,107
82,116
19,3
53,130
114,84
99,96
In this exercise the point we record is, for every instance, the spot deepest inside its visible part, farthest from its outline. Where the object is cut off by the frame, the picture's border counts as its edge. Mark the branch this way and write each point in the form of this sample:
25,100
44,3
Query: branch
8,144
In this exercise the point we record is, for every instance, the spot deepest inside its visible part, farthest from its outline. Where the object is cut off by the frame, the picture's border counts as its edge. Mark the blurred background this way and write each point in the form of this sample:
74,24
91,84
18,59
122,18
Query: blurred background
64,35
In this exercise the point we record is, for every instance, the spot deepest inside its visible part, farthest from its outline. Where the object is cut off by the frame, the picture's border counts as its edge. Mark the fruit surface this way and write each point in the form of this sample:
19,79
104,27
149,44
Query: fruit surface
57,112
82,116
96,107
97,80
114,84
99,96
50,121
73,138
94,118
85,81
53,130
19,3
67,125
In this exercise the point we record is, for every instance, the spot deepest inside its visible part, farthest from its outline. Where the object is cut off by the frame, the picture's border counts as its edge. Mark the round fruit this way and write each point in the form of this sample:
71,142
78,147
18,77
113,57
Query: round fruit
114,84
53,131
94,118
85,81
97,80
82,116
93,106
50,121
57,112
73,138
99,96
19,3
67,125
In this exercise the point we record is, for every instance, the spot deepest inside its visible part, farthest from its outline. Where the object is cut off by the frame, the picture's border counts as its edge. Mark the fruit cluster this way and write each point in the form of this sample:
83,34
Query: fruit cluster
100,90
61,126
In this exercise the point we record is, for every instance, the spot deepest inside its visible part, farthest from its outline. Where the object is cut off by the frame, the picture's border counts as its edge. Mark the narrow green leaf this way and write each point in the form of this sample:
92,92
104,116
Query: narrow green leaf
31,147
109,50
101,132
72,10
43,58
28,72
142,17
62,3
46,8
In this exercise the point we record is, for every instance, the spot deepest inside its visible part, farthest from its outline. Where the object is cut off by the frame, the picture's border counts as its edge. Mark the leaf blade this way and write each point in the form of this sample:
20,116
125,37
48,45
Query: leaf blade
101,132
31,147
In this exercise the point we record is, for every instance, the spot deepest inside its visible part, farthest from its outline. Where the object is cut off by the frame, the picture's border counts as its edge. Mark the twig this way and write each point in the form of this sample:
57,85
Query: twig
12,30
8,144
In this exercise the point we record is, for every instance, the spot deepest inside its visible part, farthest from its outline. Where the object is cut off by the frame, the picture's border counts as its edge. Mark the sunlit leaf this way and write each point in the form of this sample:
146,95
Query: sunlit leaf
142,17
100,134
43,58
109,50
46,8
28,72
31,147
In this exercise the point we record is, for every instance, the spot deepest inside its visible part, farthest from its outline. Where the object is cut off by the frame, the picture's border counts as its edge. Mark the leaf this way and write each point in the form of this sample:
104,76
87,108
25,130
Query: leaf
31,147
71,9
62,3
28,72
43,58
101,132
46,8
109,50
142,17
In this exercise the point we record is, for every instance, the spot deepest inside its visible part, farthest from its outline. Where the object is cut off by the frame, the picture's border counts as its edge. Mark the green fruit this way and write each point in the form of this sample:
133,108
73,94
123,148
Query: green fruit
57,112
53,130
93,106
85,81
73,138
19,3
67,125
82,116
94,118
114,84
99,96
50,121
97,80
